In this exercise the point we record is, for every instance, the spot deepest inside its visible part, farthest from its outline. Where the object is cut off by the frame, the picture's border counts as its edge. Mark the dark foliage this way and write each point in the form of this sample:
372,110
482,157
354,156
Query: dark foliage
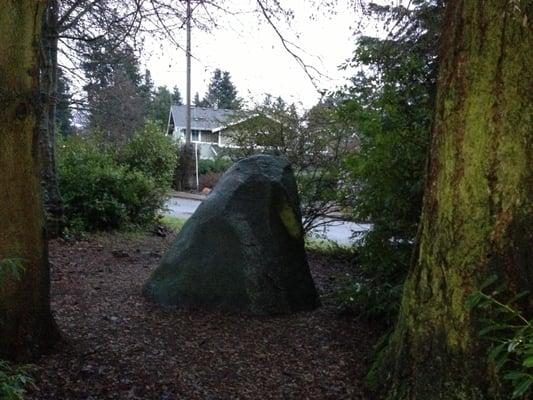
391,101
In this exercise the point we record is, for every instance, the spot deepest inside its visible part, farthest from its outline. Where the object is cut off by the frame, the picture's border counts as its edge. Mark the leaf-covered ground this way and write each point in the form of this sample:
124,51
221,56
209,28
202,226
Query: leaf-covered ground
117,345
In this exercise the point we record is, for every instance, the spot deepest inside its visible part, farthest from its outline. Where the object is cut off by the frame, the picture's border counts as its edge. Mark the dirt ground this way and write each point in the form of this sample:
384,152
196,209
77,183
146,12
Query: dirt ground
117,345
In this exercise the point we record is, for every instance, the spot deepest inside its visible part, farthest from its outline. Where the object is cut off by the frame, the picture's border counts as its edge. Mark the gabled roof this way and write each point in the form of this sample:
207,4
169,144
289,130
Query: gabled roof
203,118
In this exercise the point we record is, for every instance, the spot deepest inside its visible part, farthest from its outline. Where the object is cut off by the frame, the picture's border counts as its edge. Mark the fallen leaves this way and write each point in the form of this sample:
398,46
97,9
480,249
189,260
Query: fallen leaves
119,346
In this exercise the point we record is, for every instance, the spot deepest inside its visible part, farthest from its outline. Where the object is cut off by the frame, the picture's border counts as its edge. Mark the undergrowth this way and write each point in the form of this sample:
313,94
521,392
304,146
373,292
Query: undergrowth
13,379
510,333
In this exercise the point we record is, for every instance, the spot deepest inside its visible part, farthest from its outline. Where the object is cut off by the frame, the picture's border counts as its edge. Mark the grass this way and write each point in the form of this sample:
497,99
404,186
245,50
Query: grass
329,247
173,223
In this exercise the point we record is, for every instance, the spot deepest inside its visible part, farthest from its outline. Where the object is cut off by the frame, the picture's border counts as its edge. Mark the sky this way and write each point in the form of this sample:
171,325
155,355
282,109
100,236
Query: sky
247,47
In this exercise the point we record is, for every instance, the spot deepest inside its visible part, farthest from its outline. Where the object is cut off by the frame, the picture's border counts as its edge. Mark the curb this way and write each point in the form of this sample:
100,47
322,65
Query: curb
186,195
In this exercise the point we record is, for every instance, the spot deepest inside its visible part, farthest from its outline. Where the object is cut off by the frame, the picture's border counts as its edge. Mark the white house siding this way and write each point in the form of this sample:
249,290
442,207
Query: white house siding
205,151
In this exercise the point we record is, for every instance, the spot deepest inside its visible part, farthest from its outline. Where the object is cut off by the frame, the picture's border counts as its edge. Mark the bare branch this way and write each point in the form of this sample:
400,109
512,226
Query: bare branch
286,44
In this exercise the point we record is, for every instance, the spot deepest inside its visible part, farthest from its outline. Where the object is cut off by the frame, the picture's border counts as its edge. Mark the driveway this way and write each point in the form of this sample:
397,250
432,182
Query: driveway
341,232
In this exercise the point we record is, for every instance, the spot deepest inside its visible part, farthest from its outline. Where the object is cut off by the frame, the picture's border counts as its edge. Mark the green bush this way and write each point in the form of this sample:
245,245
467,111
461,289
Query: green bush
101,194
153,153
511,337
217,165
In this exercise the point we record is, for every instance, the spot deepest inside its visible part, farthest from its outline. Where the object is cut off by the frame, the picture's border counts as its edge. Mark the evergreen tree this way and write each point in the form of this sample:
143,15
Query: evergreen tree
146,90
176,96
390,102
115,90
197,102
160,106
63,111
221,92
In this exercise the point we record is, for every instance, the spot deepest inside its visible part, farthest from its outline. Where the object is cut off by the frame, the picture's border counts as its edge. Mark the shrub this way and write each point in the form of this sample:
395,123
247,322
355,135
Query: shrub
210,179
383,265
217,165
153,153
100,194
13,381
205,166
511,337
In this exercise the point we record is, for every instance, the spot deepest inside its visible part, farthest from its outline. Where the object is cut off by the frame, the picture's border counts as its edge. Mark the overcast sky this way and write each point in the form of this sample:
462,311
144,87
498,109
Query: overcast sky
249,49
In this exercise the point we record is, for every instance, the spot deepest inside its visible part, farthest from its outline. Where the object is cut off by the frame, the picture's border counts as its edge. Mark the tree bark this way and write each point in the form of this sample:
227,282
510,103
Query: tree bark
185,173
26,322
477,217
53,203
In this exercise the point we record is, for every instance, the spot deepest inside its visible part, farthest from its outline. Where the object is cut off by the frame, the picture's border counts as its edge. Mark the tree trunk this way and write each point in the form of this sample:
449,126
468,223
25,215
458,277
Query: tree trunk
477,217
53,202
185,173
26,322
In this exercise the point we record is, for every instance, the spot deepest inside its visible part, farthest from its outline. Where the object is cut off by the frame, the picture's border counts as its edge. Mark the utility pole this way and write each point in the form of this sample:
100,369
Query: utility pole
188,163
188,133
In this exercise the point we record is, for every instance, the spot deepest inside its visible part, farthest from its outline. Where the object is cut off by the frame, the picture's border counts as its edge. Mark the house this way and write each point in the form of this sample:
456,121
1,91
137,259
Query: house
209,127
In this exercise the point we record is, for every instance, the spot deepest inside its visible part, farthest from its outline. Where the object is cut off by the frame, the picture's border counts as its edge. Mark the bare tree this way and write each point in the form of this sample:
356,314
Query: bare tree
68,23
315,143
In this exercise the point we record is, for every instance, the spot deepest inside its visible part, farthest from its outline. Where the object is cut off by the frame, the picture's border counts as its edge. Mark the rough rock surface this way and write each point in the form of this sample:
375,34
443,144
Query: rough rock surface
243,249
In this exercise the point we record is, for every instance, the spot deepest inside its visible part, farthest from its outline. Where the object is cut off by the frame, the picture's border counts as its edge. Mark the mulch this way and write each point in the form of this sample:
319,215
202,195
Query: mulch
117,345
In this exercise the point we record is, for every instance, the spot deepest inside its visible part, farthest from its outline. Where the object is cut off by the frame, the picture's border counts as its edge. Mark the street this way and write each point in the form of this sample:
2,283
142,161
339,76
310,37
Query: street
340,232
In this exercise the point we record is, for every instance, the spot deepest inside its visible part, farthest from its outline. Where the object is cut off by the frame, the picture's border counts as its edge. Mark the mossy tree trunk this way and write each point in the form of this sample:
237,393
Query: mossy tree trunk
26,323
477,217
53,203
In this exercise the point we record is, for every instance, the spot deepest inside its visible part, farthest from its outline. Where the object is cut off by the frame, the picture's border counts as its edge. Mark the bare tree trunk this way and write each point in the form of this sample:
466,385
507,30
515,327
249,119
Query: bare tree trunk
26,322
53,202
185,174
477,217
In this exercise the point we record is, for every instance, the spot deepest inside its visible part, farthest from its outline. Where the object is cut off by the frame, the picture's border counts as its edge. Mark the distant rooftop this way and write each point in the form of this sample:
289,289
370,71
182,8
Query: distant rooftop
202,118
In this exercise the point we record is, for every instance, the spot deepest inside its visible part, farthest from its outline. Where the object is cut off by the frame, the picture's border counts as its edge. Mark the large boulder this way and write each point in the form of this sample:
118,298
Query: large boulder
243,249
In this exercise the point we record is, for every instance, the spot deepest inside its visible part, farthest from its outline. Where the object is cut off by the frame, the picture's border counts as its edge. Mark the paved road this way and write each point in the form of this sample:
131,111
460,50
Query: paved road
341,232
181,208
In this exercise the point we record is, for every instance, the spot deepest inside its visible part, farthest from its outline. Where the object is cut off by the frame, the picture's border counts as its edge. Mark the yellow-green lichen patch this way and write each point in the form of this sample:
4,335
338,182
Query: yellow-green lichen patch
288,217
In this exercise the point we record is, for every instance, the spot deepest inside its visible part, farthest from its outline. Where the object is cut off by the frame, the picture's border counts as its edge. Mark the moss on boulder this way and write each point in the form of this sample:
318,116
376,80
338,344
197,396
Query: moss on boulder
243,249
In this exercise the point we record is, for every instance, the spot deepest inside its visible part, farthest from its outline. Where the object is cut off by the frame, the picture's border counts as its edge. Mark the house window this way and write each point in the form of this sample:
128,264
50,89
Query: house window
209,137
195,135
